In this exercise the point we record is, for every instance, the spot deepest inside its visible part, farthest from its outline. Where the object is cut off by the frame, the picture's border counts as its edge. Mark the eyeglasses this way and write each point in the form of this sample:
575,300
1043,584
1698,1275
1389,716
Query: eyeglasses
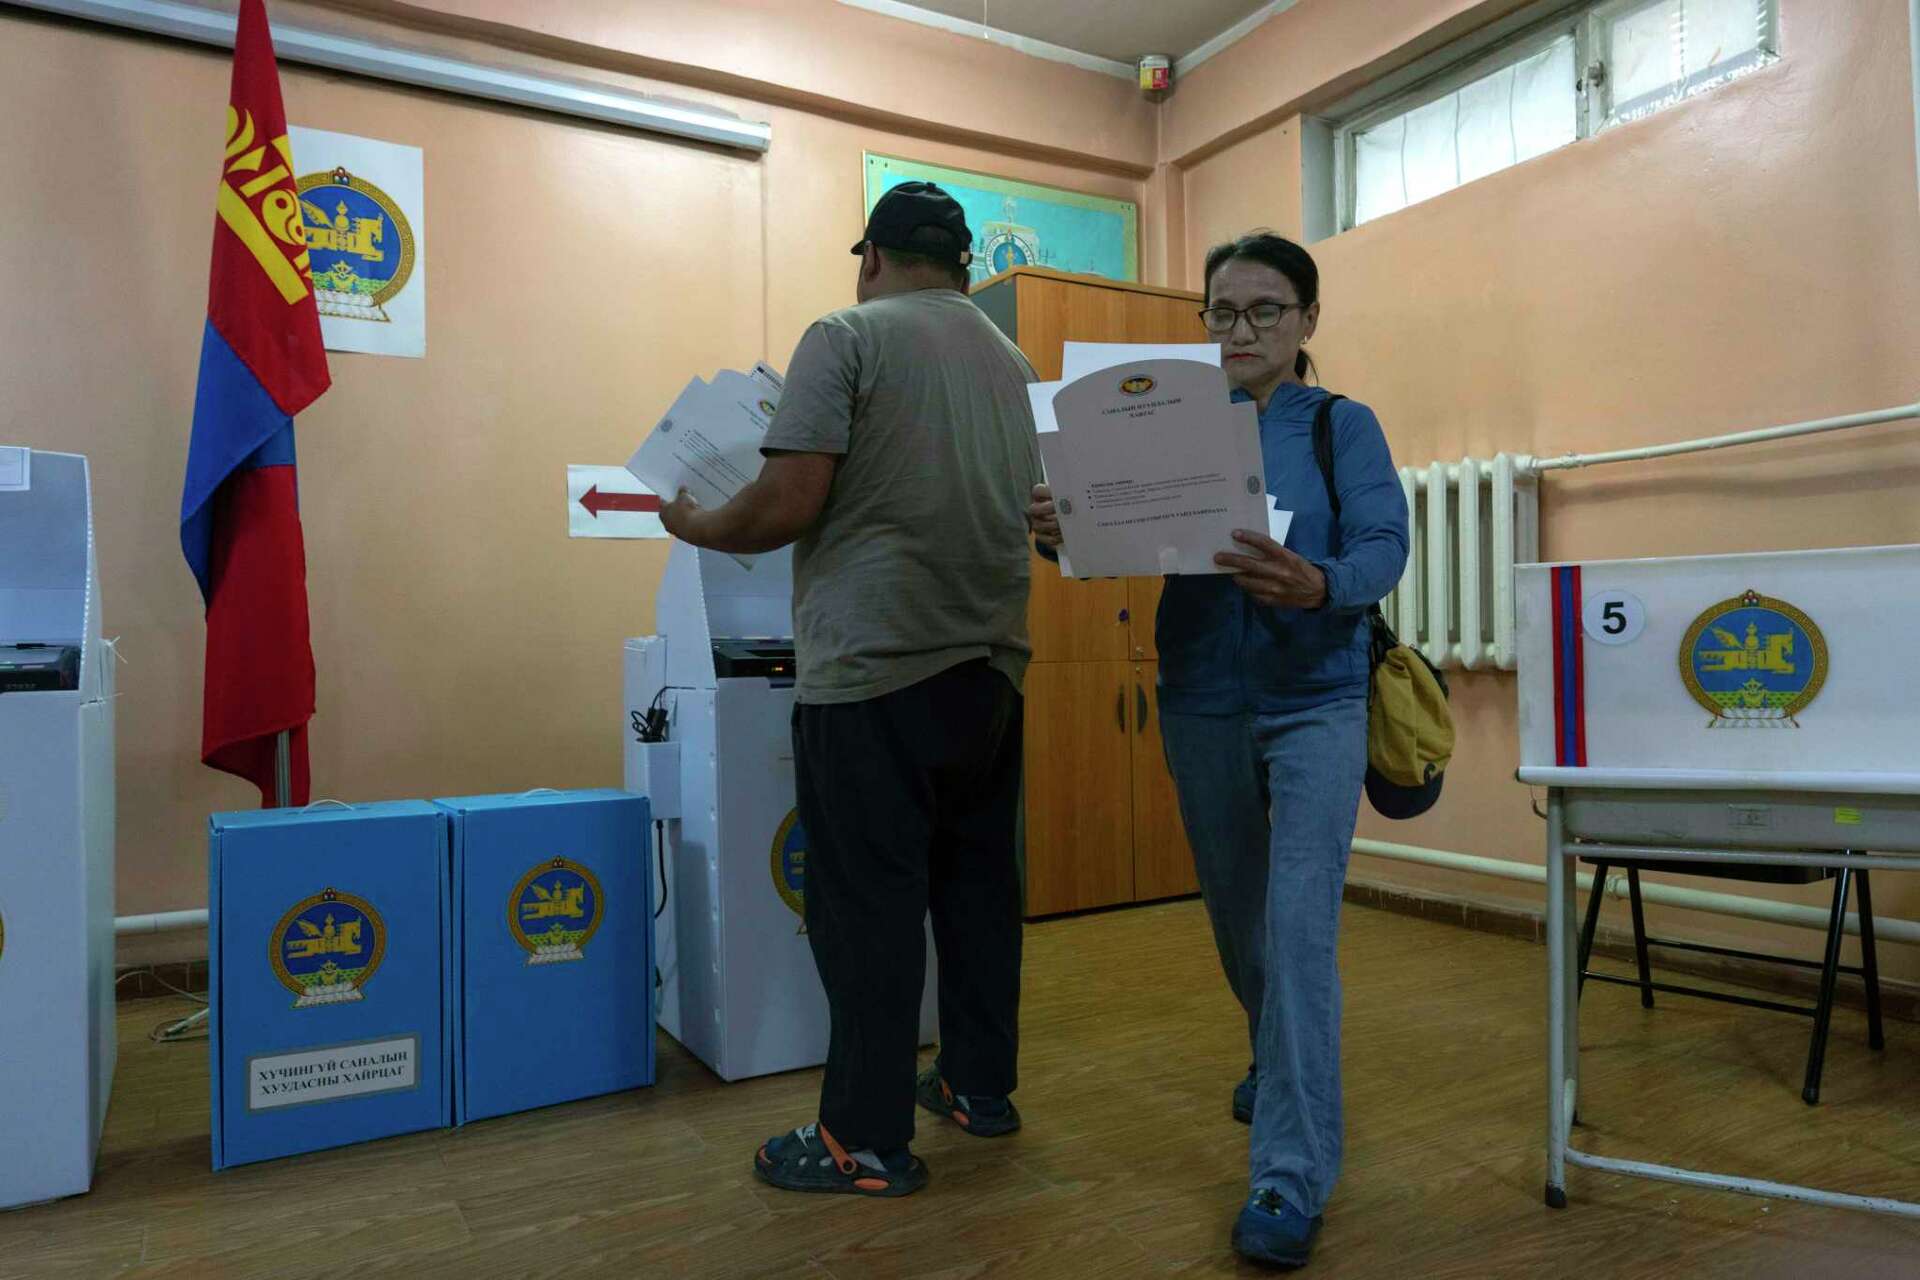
1261,315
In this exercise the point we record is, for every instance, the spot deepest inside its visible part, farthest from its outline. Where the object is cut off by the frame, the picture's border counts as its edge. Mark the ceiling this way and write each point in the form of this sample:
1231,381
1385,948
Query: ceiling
1121,30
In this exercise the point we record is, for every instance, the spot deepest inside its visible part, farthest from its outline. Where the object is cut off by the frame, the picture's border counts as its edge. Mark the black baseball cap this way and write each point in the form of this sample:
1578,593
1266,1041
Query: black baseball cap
911,206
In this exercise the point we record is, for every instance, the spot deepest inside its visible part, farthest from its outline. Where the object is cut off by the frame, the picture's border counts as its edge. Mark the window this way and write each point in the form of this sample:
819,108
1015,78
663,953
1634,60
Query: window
1546,77
1649,54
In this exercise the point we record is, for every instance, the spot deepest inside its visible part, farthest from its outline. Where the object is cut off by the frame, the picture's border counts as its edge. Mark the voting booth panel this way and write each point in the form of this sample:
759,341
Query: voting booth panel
1728,673
1716,713
552,949
328,977
737,983
57,1034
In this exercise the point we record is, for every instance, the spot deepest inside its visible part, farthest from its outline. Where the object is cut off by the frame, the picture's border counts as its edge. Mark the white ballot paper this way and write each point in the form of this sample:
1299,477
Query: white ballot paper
1078,359
1152,468
708,443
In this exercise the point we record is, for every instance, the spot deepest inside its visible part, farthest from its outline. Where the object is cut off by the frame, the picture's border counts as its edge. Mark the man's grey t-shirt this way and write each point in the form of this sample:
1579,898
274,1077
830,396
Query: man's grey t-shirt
919,559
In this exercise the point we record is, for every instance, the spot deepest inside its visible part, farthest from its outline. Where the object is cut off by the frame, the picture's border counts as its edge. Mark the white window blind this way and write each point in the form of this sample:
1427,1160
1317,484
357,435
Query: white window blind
1546,75
1655,52
1524,109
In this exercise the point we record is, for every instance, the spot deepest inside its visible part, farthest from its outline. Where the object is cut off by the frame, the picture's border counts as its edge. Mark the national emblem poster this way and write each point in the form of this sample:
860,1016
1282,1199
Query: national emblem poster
1022,224
363,203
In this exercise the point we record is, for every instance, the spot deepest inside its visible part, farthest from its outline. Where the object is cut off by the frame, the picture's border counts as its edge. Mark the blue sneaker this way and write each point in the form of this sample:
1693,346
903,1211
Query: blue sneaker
1274,1233
1243,1096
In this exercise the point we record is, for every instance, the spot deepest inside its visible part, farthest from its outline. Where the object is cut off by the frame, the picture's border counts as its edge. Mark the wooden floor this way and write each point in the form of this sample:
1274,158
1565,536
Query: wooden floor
1129,1165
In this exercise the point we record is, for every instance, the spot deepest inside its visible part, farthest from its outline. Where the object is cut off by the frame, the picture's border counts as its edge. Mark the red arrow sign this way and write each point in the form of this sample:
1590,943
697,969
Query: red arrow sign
595,502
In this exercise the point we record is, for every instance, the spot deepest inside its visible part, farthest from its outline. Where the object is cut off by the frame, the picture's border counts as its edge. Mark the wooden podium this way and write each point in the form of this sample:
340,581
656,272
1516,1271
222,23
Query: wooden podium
1102,823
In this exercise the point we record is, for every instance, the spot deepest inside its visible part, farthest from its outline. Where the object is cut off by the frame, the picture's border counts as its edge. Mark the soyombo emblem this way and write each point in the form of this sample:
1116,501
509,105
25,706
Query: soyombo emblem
361,242
554,911
790,866
325,949
257,202
1753,662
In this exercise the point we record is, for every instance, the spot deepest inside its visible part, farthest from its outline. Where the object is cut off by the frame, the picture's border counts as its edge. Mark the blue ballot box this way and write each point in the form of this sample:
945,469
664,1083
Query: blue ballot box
328,943
553,949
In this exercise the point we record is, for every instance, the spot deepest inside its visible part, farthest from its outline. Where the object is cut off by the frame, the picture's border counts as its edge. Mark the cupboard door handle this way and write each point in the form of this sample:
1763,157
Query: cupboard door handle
1140,703
1120,708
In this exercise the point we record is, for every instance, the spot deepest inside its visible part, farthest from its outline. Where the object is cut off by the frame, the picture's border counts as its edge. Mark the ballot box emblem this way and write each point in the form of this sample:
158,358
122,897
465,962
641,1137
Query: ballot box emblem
1753,662
361,244
790,865
555,910
768,407
1136,386
327,947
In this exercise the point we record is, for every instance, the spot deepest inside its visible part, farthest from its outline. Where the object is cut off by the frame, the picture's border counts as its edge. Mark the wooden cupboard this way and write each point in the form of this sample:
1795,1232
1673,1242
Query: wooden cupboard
1102,822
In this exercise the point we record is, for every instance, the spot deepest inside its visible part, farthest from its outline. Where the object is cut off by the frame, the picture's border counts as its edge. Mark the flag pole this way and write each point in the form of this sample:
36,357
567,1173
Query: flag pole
282,795
282,768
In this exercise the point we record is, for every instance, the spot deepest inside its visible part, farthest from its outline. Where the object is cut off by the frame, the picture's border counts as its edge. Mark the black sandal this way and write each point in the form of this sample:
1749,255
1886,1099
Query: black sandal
981,1117
809,1159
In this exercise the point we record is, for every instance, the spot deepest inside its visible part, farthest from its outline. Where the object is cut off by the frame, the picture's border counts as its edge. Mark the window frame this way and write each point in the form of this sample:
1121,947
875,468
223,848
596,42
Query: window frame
1603,113
1502,44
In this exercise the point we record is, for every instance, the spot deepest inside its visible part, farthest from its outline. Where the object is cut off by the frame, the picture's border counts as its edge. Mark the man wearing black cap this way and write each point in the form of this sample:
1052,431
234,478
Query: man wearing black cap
900,461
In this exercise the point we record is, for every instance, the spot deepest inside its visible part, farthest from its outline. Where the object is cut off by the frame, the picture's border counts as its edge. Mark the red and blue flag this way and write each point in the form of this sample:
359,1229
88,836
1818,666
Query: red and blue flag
261,362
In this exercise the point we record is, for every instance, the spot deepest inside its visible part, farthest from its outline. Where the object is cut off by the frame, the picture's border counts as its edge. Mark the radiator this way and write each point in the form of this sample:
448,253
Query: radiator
1471,521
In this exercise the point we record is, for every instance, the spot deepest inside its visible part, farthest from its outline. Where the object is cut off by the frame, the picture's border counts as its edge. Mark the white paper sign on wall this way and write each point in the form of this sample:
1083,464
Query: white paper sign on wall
363,204
608,502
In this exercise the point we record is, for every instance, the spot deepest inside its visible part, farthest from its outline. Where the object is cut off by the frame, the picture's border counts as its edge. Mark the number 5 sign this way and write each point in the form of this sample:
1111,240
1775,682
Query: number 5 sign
1613,617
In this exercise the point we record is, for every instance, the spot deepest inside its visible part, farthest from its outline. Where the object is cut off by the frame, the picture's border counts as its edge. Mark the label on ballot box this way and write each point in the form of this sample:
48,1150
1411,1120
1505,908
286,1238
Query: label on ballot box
553,949
329,944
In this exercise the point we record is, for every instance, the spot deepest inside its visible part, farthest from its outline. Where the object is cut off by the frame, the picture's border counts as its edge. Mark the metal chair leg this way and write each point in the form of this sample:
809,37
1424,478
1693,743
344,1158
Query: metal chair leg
1829,973
1592,921
1640,938
1870,965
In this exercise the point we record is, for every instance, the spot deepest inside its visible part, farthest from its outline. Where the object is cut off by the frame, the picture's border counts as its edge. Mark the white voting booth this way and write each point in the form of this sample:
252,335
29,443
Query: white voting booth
1749,709
57,1038
737,984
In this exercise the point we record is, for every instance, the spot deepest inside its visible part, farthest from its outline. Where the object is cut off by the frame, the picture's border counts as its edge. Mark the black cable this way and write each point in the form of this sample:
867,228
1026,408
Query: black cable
660,843
651,725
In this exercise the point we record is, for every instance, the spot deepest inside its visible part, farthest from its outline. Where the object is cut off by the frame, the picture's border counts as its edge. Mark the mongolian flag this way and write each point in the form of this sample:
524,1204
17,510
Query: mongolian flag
261,362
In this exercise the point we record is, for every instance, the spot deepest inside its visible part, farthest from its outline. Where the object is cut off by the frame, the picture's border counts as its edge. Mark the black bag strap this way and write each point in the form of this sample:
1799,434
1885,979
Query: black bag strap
1380,635
1323,449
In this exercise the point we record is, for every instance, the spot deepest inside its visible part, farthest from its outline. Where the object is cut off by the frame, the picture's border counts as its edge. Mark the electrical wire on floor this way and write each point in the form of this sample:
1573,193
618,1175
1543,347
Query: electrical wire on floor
174,1030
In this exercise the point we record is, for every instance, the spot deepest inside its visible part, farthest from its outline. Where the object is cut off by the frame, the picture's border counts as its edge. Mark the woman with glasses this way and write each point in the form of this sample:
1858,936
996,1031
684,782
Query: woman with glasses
1264,675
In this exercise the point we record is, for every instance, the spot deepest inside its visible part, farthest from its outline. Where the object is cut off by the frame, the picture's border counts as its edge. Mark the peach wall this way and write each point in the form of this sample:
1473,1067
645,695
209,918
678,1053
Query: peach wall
1745,259
579,274
1306,56
825,55
1254,182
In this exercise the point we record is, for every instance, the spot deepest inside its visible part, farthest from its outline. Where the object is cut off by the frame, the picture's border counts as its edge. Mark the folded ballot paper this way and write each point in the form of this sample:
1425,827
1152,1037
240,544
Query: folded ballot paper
1151,464
708,442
